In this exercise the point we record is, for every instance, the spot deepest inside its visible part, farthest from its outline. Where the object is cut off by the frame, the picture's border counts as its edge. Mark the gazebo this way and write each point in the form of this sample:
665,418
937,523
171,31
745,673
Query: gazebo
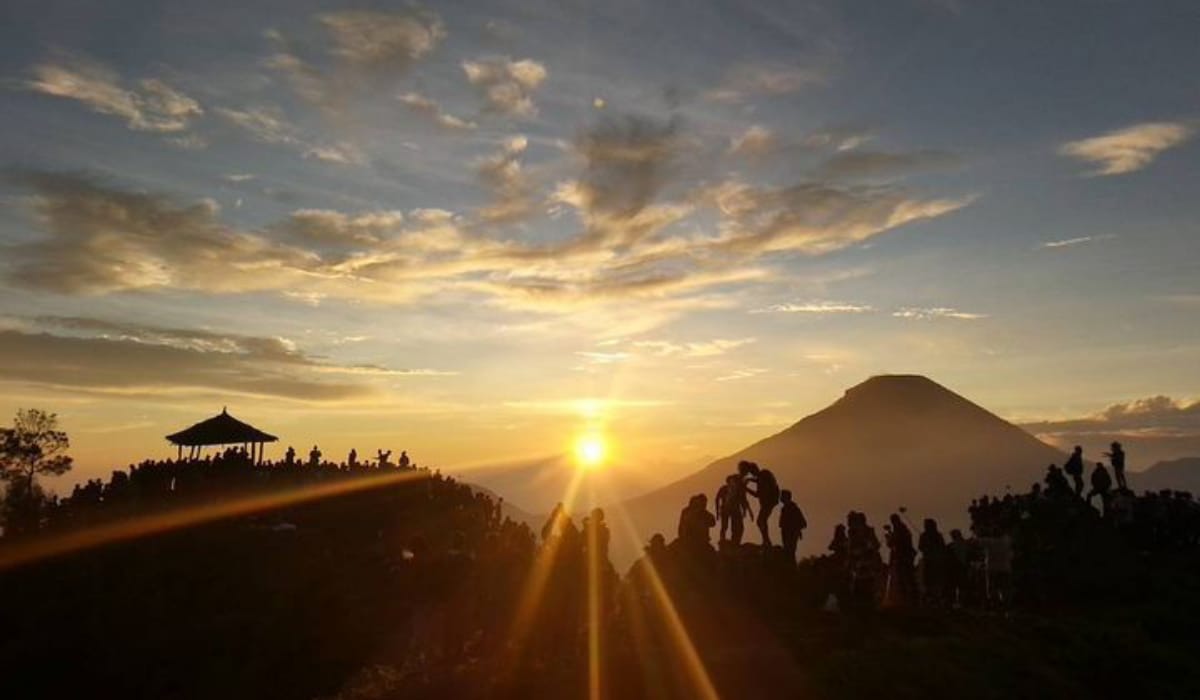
221,429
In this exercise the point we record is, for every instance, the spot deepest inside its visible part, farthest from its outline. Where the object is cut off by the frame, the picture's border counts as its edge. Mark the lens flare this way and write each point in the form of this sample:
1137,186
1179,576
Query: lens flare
590,451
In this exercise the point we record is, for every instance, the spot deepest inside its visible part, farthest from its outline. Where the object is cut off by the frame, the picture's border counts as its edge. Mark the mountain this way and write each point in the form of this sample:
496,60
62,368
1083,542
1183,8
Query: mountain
891,441
1176,474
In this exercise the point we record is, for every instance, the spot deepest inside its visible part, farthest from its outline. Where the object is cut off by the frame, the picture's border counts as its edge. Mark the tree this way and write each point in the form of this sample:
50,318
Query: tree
33,447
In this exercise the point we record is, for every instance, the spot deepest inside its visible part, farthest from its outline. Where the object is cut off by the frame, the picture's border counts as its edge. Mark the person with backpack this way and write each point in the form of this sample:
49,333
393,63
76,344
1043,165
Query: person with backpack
791,524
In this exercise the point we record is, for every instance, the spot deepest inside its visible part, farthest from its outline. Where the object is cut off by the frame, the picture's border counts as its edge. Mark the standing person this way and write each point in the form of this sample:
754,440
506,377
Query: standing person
734,508
767,492
404,459
902,557
289,457
791,524
1117,459
719,503
1074,469
314,457
1101,484
352,458
934,562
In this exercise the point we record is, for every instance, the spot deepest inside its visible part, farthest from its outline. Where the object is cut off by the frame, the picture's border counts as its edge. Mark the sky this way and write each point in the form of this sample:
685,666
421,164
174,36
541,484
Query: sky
477,231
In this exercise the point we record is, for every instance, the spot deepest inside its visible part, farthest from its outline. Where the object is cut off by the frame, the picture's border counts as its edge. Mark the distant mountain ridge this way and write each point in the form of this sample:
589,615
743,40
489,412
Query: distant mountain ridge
891,441
1175,474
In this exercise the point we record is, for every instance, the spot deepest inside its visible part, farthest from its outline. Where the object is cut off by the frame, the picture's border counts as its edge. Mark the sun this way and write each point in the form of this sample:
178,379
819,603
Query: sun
590,451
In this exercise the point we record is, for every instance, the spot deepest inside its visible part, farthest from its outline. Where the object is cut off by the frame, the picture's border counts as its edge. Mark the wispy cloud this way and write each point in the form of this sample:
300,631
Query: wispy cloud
1130,149
1068,242
814,307
738,374
146,105
932,312
431,109
130,360
764,79
709,348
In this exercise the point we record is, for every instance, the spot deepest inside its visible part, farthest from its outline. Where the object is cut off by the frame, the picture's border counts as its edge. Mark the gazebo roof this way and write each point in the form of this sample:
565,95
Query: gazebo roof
221,429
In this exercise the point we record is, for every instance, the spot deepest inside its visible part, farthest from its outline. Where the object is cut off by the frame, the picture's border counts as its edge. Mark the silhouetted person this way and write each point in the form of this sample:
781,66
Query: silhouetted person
934,564
838,545
1101,485
384,458
695,522
863,562
404,460
791,524
1117,459
732,507
1074,469
766,490
314,457
902,556
352,458
1056,482
289,457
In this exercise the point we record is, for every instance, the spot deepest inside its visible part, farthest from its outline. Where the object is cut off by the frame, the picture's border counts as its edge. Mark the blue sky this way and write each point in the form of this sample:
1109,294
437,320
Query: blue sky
390,223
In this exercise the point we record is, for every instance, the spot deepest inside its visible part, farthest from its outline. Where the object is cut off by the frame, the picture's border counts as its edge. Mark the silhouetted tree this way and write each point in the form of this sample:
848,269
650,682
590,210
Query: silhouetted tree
34,446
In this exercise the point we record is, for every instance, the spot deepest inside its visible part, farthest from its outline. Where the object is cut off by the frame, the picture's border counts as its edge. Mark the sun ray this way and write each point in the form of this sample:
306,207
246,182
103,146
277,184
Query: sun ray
135,527
702,685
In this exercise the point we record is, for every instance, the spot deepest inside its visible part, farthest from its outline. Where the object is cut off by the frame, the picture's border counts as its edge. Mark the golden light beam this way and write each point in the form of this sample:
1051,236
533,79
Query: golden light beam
595,567
702,685
141,526
539,575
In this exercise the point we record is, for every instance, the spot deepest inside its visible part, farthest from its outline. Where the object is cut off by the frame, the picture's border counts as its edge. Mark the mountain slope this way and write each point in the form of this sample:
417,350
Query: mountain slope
894,440
1175,474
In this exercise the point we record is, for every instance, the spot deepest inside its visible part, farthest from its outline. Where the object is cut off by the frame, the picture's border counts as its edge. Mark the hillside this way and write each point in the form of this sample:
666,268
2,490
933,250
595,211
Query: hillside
891,441
1176,474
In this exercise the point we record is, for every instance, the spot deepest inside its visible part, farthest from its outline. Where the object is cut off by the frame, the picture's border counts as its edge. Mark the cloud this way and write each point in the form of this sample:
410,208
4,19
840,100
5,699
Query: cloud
813,218
754,142
1130,149
263,124
814,307
365,46
710,348
429,108
932,312
1161,413
695,250
148,105
871,164
626,163
129,360
268,125
381,40
1151,428
750,80
341,153
506,86
737,374
1068,242
511,190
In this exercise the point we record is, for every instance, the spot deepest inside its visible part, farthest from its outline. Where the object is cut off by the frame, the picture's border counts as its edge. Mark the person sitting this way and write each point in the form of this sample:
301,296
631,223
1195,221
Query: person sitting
695,522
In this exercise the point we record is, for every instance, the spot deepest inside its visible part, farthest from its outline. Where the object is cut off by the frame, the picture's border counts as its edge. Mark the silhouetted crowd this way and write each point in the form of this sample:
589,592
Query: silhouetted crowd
165,483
